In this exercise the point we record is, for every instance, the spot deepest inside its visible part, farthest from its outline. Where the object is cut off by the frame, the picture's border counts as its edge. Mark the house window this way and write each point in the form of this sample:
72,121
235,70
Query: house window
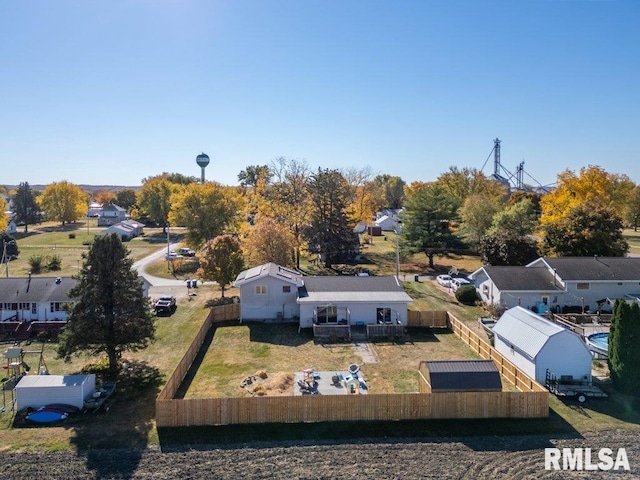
582,286
25,306
56,306
14,306
328,314
34,308
286,289
261,289
383,315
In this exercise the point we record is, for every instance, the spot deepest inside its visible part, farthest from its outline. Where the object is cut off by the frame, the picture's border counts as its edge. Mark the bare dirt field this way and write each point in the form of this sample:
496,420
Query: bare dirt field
496,457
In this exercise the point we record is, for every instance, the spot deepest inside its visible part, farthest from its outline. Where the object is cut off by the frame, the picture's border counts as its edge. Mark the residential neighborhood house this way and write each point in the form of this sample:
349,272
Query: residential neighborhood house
126,230
272,292
35,298
559,284
110,215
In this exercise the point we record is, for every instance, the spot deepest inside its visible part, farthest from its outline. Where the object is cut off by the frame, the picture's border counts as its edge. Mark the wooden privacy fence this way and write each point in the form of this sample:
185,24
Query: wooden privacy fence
433,319
332,408
220,314
532,401
507,369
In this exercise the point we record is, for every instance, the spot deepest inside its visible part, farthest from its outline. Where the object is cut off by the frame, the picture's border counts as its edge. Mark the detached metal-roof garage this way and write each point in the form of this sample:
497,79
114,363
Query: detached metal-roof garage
535,344
36,391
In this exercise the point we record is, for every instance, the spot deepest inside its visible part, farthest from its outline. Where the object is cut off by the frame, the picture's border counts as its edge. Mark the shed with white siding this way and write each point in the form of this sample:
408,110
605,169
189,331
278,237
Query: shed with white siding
36,391
535,344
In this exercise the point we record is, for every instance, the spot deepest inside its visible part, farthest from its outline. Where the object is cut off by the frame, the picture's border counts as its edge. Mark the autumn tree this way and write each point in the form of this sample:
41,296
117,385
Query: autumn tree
586,230
330,231
25,206
457,185
110,313
365,193
4,219
154,199
624,355
221,260
392,191
105,197
269,241
427,216
206,210
250,176
592,185
63,202
288,199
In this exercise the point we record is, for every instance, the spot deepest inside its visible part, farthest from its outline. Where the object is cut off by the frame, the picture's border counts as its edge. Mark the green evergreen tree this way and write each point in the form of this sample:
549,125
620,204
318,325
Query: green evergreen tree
426,220
110,314
624,355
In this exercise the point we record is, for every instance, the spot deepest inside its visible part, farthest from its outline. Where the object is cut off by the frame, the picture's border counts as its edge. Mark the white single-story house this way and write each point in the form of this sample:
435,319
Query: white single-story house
272,292
37,391
387,223
559,283
535,344
35,298
110,215
127,229
268,292
352,301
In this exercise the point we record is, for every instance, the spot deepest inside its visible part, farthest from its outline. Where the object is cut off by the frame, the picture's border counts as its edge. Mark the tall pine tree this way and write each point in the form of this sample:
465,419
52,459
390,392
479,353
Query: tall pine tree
110,314
25,206
624,355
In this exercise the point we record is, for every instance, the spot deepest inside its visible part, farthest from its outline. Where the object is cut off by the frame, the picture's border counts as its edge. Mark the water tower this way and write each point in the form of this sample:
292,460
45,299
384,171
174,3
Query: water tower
203,161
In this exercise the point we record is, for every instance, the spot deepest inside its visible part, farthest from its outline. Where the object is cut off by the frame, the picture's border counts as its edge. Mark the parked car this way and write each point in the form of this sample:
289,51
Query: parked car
456,283
165,305
444,280
172,256
186,252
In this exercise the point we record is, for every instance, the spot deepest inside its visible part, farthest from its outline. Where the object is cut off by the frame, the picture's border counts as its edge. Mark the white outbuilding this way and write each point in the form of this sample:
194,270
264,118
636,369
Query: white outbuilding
535,344
36,391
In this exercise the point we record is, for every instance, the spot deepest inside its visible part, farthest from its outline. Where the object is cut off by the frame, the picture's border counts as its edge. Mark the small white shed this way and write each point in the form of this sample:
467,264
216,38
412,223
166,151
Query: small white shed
36,391
535,344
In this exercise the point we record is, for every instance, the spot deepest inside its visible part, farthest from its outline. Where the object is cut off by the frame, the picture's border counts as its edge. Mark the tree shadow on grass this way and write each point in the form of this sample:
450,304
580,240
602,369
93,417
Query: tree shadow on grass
125,423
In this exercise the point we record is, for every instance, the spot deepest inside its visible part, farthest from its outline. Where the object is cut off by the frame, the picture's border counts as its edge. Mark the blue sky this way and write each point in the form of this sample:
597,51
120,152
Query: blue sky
112,92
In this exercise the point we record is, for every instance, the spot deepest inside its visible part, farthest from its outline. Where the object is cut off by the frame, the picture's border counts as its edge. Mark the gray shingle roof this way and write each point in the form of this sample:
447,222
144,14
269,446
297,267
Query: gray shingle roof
596,268
463,375
36,289
364,289
522,278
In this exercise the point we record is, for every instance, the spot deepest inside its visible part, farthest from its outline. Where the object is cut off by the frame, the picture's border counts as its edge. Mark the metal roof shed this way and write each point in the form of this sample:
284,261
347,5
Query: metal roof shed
459,376
36,391
535,344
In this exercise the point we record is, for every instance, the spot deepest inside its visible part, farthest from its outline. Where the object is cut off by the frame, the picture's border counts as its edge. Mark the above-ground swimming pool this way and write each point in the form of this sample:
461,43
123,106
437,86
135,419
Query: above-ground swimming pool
599,343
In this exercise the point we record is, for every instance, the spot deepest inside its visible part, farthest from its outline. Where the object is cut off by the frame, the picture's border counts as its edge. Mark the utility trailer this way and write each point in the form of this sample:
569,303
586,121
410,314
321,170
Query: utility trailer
566,386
